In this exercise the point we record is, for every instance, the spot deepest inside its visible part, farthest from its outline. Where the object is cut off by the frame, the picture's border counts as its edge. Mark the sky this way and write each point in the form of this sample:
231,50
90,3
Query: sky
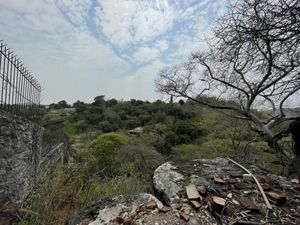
81,49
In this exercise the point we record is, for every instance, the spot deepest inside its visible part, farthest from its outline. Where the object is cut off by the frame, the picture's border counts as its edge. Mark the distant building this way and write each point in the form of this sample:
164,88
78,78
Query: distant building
136,131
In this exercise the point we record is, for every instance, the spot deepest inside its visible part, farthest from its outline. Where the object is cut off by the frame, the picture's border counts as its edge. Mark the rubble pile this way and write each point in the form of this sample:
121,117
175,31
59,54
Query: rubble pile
203,192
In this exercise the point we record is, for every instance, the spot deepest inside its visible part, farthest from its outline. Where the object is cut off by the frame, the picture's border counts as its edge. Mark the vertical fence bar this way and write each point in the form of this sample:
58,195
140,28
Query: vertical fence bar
30,96
10,83
16,84
20,91
1,84
23,90
19,87
3,78
13,85
25,93
6,80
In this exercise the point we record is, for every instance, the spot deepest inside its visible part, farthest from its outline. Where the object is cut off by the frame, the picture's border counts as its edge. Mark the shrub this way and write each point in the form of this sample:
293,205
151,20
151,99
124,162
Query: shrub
139,160
185,152
217,147
56,200
101,153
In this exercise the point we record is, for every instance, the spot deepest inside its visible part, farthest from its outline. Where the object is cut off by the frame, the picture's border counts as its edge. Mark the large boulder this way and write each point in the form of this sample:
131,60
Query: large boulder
167,182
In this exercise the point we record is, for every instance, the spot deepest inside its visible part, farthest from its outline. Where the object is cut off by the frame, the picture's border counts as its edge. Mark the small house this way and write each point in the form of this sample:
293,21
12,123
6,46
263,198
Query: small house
136,131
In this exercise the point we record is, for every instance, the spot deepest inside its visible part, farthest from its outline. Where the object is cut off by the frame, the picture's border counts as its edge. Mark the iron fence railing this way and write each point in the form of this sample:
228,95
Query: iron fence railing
53,135
19,91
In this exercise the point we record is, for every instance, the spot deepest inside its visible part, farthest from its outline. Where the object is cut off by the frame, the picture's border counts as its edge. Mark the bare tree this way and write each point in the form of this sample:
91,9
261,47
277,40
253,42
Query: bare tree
253,60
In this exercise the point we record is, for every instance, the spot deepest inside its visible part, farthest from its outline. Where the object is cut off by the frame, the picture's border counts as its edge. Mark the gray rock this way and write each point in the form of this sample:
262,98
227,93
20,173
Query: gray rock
108,214
199,181
105,211
166,180
192,192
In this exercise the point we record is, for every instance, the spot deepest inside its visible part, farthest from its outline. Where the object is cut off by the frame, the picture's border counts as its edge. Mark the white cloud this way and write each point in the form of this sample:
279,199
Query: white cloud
140,85
57,40
87,70
75,10
198,22
130,21
162,45
152,26
69,62
145,54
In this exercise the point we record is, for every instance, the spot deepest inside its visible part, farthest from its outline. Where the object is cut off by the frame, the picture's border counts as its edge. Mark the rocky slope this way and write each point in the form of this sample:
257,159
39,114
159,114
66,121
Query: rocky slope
202,192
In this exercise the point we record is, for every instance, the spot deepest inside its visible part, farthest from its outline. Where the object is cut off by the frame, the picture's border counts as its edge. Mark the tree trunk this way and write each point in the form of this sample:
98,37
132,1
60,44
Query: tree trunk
267,135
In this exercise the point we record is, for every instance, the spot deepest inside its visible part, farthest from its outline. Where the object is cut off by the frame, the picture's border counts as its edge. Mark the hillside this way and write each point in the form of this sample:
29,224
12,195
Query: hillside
106,161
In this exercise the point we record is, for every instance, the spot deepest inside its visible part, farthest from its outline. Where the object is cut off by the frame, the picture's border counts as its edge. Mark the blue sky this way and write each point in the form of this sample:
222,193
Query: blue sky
81,49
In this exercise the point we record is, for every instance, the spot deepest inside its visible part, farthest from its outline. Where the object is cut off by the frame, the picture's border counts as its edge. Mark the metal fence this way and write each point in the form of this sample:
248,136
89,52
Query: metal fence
53,136
19,91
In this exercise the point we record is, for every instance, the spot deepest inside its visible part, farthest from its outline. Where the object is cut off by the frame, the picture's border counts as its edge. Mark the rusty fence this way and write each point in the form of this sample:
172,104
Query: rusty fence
20,92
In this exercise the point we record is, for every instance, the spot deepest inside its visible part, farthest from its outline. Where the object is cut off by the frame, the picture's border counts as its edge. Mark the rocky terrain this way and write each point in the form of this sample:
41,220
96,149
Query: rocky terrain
202,192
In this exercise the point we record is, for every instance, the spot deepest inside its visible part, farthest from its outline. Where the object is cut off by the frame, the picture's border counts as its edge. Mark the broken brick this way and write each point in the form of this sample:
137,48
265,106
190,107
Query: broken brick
219,180
248,203
280,198
196,204
184,216
151,204
165,209
219,201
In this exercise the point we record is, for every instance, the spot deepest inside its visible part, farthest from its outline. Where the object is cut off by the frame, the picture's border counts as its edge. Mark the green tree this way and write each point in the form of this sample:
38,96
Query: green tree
99,100
60,105
79,106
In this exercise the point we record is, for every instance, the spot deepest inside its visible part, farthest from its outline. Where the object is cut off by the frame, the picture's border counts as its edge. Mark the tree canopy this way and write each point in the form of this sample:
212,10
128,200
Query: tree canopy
253,60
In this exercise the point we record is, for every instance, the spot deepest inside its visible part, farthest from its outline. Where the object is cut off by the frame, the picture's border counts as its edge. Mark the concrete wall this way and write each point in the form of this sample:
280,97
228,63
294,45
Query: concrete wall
21,164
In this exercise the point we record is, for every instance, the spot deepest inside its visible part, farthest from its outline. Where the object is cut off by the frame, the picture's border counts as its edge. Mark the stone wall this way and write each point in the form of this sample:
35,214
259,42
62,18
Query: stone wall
21,164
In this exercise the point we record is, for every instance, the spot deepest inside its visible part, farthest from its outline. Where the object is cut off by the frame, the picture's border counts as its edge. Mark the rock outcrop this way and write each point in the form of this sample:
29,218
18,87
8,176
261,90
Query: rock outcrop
202,192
